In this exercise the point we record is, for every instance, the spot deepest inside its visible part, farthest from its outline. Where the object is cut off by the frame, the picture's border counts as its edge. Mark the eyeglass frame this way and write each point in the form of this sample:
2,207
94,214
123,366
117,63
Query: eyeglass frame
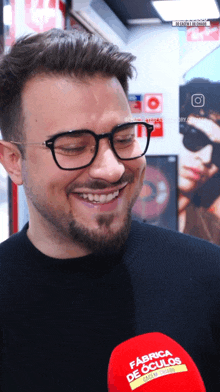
50,142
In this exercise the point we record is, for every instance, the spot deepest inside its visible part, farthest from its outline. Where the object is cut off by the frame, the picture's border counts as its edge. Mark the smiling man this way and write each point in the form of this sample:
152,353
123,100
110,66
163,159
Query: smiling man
88,207
81,277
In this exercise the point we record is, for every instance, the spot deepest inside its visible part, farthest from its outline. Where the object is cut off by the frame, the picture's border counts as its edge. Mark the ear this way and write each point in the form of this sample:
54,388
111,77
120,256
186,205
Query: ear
10,158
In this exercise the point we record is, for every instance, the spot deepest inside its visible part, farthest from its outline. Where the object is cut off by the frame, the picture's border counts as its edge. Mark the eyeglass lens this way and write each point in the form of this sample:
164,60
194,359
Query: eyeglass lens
74,150
79,148
195,140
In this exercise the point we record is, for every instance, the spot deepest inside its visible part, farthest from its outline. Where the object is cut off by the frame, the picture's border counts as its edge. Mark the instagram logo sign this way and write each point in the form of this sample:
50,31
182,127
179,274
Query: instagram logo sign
198,100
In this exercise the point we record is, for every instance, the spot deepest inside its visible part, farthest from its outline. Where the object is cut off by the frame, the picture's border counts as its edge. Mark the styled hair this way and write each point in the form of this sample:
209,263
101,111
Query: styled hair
54,52
211,92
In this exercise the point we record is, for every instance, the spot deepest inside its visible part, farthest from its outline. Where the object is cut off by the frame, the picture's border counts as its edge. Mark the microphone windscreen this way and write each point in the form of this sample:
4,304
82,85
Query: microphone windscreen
152,362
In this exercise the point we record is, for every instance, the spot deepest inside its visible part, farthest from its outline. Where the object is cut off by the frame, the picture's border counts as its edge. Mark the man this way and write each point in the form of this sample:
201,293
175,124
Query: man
80,278
199,159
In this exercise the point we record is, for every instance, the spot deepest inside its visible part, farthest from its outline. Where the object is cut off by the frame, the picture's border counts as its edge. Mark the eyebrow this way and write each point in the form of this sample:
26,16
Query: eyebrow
60,132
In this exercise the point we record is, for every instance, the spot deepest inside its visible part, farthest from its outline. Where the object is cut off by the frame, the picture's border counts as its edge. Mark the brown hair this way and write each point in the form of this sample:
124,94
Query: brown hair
54,52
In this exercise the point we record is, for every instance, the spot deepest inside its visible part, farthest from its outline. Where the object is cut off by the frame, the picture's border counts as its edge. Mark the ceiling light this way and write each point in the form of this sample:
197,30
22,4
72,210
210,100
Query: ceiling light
187,9
144,21
7,15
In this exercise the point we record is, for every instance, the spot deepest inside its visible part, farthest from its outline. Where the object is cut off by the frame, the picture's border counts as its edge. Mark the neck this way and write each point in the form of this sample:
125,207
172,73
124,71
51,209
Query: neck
53,244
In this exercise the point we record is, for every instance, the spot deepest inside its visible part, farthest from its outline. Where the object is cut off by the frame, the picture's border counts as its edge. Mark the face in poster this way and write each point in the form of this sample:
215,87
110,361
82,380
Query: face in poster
199,161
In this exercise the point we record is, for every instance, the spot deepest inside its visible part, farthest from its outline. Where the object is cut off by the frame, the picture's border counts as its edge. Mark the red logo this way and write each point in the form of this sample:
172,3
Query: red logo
208,33
158,126
41,15
153,103
135,103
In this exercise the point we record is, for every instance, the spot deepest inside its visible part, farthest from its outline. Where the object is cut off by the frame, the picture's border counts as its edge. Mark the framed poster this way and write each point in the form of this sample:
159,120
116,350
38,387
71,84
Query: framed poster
199,160
157,202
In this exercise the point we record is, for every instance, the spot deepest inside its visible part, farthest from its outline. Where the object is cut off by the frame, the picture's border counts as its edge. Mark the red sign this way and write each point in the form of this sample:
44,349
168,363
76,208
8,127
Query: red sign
158,126
156,122
135,103
208,33
42,15
153,103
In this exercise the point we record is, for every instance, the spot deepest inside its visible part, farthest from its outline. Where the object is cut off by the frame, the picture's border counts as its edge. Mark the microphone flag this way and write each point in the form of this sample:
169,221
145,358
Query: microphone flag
152,362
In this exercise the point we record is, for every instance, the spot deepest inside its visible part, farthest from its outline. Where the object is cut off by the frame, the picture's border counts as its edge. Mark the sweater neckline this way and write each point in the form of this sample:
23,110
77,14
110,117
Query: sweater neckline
94,263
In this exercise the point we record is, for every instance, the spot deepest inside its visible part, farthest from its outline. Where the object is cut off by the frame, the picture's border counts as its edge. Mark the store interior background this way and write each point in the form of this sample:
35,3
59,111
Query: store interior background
164,60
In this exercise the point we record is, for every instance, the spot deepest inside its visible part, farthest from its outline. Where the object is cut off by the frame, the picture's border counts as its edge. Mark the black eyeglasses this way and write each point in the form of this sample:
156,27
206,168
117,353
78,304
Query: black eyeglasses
74,150
195,140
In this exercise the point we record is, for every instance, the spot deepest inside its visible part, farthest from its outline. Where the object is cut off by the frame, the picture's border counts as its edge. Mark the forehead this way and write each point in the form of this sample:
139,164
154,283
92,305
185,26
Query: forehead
56,103
206,125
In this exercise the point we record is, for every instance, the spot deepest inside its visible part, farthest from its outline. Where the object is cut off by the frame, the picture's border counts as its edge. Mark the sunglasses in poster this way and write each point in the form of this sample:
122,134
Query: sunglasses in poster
195,140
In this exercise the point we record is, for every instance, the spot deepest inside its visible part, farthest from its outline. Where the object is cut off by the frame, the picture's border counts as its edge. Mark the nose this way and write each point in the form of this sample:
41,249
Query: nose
206,154
106,165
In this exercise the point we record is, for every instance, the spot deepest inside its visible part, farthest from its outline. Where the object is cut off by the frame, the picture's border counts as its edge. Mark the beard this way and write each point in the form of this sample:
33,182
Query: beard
63,226
100,242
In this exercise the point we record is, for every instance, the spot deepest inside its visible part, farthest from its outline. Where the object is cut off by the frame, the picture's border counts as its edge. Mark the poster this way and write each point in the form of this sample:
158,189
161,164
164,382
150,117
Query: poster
157,202
199,160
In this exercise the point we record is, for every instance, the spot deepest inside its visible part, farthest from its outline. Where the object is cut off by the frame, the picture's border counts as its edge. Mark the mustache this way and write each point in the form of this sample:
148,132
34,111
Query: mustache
101,184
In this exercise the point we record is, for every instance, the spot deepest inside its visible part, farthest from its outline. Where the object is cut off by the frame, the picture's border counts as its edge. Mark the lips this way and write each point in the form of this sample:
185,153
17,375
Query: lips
103,206
195,173
100,196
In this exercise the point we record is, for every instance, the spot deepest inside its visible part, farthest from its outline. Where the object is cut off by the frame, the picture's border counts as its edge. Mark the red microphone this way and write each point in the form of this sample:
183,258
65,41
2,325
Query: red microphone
152,362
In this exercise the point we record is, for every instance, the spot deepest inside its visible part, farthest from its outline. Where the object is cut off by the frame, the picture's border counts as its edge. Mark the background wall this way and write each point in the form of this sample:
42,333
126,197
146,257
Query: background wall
157,64
33,16
165,59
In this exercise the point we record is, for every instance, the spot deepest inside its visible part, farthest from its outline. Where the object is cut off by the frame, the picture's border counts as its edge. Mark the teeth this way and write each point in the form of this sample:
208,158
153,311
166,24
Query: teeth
103,199
100,198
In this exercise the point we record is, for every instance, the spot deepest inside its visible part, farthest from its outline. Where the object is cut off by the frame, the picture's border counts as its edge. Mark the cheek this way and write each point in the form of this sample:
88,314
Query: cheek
139,168
38,157
142,165
186,158
39,169
139,175
42,174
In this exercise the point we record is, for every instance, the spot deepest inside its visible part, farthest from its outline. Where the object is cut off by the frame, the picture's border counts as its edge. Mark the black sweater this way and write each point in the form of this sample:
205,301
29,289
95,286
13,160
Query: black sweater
61,319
